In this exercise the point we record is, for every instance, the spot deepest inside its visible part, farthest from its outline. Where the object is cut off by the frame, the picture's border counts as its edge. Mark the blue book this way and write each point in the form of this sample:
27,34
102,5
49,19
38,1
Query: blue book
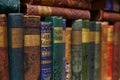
92,50
15,46
46,60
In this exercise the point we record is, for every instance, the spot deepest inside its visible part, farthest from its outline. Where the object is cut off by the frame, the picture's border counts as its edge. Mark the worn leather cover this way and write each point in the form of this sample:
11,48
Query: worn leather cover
116,49
56,11
15,46
80,4
103,45
32,47
76,50
109,51
4,68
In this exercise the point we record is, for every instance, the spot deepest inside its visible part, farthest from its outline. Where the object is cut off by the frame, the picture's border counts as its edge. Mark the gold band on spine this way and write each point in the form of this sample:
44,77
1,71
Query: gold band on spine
32,40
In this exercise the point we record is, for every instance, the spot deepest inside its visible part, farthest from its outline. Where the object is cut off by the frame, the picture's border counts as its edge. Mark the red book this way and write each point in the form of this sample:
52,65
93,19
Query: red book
109,51
115,67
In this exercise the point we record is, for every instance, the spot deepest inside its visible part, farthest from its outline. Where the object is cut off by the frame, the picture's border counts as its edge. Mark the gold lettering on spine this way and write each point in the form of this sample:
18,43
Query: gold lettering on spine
46,53
58,35
17,37
3,36
97,37
31,40
45,39
85,37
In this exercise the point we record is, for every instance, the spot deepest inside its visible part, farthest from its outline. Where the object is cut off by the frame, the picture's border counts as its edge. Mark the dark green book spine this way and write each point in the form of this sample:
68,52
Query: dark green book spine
15,46
32,47
85,50
97,51
92,50
76,47
57,47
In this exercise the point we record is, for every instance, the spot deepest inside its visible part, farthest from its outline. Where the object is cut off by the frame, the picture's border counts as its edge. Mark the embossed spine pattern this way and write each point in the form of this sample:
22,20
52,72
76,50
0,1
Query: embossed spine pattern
116,47
109,51
15,46
97,51
57,47
85,50
32,47
46,57
76,47
46,11
92,50
4,69
68,54
103,44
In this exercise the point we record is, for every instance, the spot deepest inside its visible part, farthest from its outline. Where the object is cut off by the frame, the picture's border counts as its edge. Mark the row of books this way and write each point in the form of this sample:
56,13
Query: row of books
31,49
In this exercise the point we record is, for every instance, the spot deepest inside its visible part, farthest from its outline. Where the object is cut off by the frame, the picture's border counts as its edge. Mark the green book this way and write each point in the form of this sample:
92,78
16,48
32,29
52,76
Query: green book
97,51
85,50
57,47
76,48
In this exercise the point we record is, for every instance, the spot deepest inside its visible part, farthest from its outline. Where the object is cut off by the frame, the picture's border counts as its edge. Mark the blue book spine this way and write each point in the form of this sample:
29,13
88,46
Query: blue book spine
15,46
64,30
46,60
92,50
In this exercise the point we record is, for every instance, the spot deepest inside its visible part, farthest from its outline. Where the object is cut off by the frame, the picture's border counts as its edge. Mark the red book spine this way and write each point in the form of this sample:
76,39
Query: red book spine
109,52
115,66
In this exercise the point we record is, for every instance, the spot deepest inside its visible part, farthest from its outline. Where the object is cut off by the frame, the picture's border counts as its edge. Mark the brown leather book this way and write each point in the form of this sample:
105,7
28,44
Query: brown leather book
4,73
32,47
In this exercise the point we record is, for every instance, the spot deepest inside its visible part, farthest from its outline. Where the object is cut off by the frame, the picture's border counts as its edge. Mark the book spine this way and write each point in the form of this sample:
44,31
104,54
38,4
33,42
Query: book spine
103,44
15,46
46,11
57,47
92,50
109,51
64,30
116,47
61,3
32,47
85,50
46,60
76,50
68,53
97,51
4,70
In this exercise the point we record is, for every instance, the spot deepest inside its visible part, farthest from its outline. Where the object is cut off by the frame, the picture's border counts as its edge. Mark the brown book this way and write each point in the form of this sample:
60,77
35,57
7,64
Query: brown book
4,74
109,51
116,45
103,62
45,11
68,53
80,4
32,47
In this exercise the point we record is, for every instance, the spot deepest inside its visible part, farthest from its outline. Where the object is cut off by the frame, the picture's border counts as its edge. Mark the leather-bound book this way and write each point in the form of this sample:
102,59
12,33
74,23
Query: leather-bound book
32,47
45,52
76,50
15,46
4,68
